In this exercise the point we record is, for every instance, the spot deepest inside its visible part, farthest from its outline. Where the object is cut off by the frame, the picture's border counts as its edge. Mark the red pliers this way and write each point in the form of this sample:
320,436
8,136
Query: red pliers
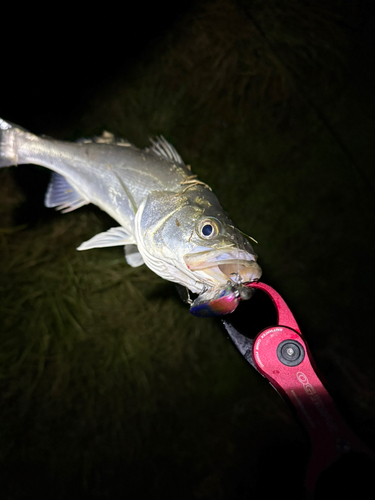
282,356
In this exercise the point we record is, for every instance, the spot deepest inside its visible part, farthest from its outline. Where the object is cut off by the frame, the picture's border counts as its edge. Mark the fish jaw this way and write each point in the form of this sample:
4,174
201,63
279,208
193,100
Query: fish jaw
223,265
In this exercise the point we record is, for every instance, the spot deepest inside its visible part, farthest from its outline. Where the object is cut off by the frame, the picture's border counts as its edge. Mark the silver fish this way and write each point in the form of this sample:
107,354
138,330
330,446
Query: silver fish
168,219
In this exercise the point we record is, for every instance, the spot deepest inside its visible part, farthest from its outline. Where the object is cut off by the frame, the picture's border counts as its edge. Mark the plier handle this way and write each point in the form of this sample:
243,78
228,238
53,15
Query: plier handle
282,356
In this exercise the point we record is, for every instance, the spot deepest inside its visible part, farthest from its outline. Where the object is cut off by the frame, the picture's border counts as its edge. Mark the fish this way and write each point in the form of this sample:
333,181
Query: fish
167,218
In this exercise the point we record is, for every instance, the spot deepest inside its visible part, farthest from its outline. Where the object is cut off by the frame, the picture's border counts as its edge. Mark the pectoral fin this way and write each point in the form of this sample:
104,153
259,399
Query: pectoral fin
62,196
114,237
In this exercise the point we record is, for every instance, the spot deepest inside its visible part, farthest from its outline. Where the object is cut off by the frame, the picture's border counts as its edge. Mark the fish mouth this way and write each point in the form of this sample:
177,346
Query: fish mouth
223,265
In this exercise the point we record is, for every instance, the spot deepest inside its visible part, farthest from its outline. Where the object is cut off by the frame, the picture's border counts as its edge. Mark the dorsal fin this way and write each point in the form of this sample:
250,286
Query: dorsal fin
161,147
61,195
106,138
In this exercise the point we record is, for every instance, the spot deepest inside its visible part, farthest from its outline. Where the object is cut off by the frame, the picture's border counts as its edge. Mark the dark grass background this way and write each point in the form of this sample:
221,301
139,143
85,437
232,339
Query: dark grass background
109,388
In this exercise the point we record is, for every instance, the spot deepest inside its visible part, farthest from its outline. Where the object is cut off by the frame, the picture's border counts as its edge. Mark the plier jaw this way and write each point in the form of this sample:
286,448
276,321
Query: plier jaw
281,355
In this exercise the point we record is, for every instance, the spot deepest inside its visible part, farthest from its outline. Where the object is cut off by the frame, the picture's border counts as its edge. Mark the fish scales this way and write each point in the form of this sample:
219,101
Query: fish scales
91,168
167,218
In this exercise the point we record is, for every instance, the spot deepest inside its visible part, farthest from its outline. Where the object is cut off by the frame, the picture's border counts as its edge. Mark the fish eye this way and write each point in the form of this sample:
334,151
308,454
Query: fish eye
208,228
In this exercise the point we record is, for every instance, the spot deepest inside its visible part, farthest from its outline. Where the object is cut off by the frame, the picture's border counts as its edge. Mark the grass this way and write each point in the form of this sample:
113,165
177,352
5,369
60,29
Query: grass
109,387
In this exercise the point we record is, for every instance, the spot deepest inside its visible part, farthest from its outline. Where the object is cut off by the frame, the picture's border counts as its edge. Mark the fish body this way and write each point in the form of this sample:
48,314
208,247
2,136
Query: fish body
166,217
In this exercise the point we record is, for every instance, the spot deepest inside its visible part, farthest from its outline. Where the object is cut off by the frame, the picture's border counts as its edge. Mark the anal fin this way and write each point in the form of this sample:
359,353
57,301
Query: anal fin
62,196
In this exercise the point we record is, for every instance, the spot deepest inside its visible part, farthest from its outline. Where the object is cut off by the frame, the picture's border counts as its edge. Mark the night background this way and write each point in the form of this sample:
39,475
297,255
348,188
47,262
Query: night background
109,388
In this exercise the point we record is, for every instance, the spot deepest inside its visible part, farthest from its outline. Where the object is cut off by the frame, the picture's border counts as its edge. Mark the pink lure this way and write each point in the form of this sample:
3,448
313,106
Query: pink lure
220,301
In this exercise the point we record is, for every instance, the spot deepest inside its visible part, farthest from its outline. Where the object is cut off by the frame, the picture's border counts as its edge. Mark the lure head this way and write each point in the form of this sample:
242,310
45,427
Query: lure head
218,302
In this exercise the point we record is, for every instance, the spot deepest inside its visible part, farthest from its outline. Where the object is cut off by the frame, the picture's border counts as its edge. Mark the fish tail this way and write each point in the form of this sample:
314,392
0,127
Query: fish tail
11,137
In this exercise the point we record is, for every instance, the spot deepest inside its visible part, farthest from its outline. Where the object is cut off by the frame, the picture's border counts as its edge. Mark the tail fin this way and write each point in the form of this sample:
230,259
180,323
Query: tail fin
9,133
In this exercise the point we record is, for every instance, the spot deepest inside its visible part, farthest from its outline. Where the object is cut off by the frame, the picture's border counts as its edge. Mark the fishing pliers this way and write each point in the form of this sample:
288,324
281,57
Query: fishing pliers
281,355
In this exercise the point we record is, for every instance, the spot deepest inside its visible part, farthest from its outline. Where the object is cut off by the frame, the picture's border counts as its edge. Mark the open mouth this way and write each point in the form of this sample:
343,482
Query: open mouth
224,265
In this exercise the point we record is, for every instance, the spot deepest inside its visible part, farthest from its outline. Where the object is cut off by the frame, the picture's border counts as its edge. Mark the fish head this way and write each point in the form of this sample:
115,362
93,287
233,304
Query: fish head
188,238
